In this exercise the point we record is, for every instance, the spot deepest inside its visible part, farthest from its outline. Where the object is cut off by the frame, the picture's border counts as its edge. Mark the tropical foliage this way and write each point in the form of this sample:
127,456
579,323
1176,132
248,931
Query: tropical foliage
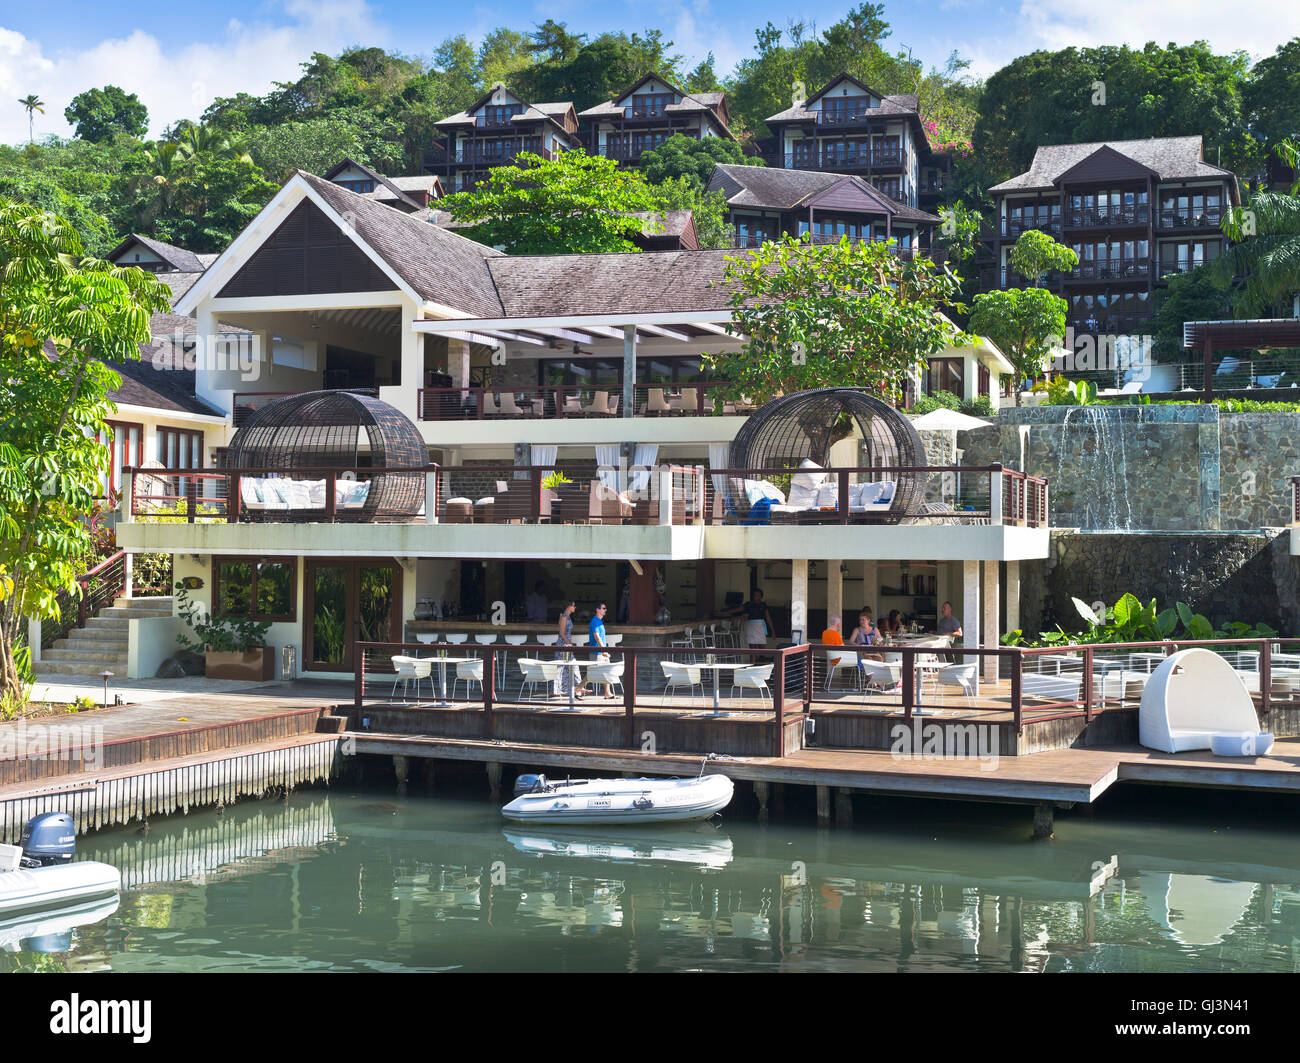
224,635
818,315
1128,620
62,317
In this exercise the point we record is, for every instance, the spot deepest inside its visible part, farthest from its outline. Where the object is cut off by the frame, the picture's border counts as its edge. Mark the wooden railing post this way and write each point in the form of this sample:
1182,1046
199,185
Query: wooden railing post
778,703
489,693
359,679
909,681
1017,689
843,501
629,697
191,497
233,488
331,497
1087,685
1265,678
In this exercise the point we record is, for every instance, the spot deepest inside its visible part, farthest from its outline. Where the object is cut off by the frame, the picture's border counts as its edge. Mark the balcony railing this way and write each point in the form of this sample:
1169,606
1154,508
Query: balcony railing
1012,227
1135,269
551,401
1104,218
514,494
860,159
759,239
1117,324
1209,218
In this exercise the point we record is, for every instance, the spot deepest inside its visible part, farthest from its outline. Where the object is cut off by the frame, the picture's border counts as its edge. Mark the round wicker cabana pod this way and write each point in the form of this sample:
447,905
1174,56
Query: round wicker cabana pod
343,431
805,425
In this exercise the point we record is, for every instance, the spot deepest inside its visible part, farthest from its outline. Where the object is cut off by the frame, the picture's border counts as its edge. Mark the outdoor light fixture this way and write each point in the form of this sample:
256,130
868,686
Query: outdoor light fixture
105,676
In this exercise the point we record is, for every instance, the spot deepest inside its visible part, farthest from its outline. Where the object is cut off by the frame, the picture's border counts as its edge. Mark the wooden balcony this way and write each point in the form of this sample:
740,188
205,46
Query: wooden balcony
560,401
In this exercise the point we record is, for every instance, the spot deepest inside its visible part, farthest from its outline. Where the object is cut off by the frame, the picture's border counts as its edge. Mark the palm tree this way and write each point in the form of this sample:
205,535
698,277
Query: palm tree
203,140
33,103
165,164
1265,250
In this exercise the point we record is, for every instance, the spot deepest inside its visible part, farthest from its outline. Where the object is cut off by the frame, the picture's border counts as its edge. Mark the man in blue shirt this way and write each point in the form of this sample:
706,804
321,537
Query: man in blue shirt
596,637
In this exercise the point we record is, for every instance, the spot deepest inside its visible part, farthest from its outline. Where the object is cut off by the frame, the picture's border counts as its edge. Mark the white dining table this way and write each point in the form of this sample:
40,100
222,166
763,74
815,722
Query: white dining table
717,668
442,661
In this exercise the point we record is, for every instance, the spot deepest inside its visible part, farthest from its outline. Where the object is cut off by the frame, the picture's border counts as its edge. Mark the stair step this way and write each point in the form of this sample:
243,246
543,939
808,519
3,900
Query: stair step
85,656
163,604
123,612
79,669
93,645
98,634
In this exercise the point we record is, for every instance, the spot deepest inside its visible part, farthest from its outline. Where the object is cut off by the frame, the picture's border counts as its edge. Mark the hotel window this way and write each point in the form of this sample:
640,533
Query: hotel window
886,149
1183,255
126,443
1191,208
501,113
945,374
180,448
843,109
261,589
358,186
651,105
890,186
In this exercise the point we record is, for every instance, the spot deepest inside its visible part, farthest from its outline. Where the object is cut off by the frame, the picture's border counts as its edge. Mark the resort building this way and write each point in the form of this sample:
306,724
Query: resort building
1134,211
763,203
493,131
846,127
424,386
410,195
647,114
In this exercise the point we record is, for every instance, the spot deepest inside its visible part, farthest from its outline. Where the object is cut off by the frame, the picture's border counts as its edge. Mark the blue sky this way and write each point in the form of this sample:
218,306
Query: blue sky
177,57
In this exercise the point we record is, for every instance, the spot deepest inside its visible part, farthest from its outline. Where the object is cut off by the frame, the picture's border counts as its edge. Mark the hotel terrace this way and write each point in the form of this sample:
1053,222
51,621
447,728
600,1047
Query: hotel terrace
450,379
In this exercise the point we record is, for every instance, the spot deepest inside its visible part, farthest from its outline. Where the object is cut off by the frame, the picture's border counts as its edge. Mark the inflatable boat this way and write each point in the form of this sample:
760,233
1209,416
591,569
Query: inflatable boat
39,871
621,846
538,800
51,930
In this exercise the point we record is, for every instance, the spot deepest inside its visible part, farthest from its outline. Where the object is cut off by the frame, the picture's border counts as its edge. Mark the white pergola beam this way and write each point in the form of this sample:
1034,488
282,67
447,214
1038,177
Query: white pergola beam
708,320
672,334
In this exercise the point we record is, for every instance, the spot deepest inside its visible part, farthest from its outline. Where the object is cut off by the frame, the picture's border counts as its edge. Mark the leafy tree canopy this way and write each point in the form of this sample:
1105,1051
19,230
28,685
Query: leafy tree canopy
1024,323
692,159
844,314
101,114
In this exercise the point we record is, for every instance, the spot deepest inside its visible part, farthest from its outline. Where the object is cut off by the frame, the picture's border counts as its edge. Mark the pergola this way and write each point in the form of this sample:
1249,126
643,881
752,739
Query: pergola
1253,334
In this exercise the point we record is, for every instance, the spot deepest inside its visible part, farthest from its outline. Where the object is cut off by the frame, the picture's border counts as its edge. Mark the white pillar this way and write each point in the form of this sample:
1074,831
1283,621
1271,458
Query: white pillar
629,371
989,626
430,498
995,495
835,593
1013,595
970,604
34,639
799,596
870,588
665,494
458,362
128,568
406,397
210,384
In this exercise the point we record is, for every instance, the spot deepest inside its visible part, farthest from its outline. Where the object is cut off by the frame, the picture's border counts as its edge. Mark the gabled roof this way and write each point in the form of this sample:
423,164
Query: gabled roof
637,282
901,104
437,264
378,178
1170,158
690,103
767,188
552,112
178,258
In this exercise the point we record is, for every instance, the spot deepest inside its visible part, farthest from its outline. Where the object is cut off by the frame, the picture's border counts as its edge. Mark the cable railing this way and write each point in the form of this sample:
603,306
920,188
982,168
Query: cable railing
1208,218
552,401
854,159
1103,217
97,587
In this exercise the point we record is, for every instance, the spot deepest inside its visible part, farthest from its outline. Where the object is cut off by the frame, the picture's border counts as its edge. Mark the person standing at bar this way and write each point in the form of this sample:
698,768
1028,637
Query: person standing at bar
536,605
565,630
758,620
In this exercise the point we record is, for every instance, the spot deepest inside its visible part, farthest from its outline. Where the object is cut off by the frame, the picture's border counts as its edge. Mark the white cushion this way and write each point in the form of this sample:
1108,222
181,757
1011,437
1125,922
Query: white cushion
357,493
316,493
274,492
459,501
756,489
490,500
828,495
296,494
804,485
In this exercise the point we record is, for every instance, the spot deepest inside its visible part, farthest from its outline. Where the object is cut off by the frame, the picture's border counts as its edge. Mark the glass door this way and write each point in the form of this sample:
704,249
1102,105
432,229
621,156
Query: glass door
347,601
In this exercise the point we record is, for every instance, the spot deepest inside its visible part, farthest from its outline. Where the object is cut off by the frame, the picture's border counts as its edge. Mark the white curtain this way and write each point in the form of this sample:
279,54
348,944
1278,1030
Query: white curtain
719,457
545,457
644,460
607,466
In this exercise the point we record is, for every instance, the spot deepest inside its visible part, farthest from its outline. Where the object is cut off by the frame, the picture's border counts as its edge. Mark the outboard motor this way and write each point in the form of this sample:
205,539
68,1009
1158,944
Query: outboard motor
531,784
48,839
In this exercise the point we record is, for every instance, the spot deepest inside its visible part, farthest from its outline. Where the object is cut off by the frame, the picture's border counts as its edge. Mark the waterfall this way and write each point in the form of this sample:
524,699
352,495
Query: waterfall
1100,477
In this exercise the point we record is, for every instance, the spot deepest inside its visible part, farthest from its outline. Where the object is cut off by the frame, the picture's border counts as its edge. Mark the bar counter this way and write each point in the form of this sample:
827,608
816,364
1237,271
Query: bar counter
633,634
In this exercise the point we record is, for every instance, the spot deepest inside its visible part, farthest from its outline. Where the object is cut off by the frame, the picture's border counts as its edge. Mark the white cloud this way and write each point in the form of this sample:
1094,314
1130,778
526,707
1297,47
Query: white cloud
1256,26
179,82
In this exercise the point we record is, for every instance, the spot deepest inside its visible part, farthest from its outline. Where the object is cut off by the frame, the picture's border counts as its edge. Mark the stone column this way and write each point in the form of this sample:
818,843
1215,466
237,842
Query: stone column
799,597
970,606
989,626
458,362
1013,595
628,405
835,593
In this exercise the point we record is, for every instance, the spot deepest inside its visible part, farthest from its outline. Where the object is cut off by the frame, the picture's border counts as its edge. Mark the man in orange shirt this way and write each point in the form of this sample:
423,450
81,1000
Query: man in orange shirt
832,636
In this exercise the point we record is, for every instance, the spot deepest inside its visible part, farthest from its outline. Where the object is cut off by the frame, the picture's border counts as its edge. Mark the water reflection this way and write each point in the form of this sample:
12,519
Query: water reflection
353,883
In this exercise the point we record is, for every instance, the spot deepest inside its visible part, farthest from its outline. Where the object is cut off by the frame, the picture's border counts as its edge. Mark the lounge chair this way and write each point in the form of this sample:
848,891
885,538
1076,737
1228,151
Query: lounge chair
1191,698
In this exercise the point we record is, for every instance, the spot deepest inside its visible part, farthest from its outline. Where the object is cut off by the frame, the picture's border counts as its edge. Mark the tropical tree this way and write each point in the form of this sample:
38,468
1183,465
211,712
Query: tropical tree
692,158
156,184
210,143
32,103
1035,254
101,114
1265,252
60,320
571,203
709,209
1026,324
851,313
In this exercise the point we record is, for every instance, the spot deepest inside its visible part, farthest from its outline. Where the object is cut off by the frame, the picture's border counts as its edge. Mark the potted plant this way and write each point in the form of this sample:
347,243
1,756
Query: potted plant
551,484
232,648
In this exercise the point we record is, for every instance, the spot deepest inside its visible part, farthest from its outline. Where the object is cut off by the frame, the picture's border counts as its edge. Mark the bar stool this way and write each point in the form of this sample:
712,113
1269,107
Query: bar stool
427,638
548,640
614,640
488,640
457,640
684,643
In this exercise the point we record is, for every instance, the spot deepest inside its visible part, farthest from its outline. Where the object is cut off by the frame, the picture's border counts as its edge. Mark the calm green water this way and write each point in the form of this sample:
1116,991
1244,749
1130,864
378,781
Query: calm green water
369,882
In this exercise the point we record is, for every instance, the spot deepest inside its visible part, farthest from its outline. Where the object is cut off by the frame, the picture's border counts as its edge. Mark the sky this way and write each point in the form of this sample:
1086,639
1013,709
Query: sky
179,57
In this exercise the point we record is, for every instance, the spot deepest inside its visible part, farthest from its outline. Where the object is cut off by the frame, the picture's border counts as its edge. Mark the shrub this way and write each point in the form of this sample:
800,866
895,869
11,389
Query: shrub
229,635
940,400
978,407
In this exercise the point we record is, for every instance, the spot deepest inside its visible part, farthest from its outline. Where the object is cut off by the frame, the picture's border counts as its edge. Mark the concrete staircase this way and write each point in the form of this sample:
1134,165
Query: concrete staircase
100,645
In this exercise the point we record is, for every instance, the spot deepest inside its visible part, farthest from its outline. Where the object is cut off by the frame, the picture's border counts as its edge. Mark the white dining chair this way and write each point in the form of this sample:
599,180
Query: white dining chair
491,404
690,400
468,672
410,670
656,403
681,675
508,407
606,673
962,676
599,405
883,675
838,661
534,675
753,677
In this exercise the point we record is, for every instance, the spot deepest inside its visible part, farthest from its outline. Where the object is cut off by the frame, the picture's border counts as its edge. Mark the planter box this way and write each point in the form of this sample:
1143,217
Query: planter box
250,664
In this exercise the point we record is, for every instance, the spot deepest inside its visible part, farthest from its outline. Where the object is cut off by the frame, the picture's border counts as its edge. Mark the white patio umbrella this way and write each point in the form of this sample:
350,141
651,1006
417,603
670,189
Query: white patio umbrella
950,420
